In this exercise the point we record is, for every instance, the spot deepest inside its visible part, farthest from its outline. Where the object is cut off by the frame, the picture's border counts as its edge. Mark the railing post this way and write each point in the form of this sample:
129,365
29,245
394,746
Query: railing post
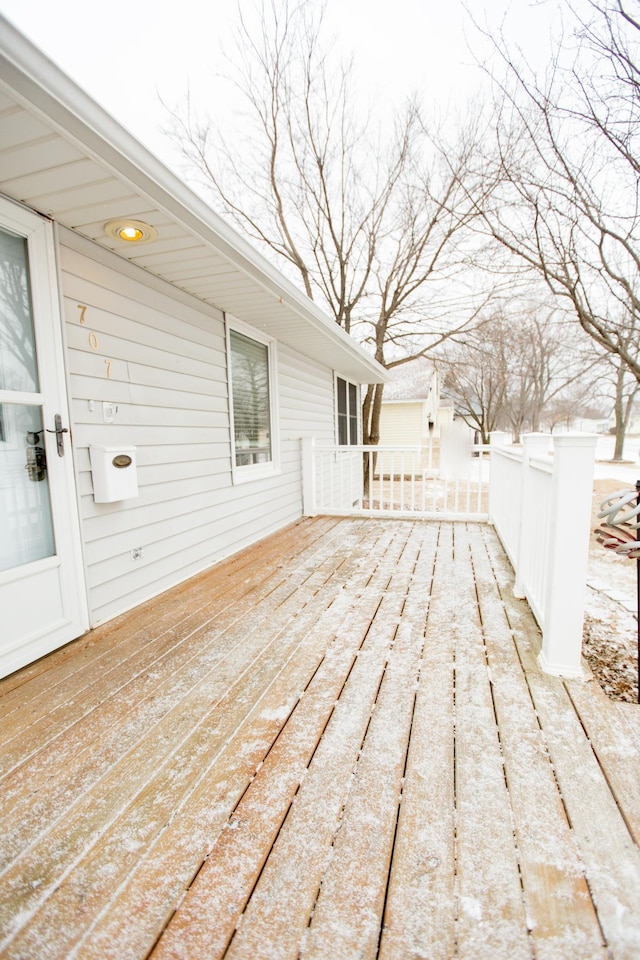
308,477
570,522
497,438
533,445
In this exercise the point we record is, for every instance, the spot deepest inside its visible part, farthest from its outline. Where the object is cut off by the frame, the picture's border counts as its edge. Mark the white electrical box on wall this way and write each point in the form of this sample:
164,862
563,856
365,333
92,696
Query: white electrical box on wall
114,472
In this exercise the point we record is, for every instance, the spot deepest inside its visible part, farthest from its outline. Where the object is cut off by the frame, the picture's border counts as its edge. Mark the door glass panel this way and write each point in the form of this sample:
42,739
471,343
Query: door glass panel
18,367
26,528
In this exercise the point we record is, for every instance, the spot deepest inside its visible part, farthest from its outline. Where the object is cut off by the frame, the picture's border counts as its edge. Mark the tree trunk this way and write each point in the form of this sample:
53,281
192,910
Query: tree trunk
376,410
371,410
620,419
366,413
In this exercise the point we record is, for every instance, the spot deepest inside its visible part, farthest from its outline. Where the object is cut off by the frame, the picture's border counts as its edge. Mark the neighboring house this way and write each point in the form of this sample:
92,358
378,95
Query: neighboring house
406,423
414,416
154,390
413,411
410,411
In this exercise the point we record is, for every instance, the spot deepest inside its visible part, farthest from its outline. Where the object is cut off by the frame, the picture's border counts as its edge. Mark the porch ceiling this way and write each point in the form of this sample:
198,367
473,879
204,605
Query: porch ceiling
65,157
337,743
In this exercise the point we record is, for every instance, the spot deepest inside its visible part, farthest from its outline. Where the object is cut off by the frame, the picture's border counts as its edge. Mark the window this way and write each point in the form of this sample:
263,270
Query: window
252,403
348,408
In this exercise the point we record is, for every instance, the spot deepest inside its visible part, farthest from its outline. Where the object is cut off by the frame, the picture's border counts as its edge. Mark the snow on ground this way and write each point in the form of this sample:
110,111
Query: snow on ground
611,625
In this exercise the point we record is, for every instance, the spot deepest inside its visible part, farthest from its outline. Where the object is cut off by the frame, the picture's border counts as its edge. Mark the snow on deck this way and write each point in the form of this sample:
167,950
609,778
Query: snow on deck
336,744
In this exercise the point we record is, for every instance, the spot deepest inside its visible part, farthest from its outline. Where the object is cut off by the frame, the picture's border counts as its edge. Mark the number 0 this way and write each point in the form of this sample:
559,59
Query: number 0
94,343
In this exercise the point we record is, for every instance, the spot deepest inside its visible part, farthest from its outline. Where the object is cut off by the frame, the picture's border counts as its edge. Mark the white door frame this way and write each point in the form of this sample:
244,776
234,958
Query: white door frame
67,565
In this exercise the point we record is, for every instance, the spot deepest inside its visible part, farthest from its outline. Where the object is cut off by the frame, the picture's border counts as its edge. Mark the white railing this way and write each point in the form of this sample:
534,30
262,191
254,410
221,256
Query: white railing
505,493
540,506
394,481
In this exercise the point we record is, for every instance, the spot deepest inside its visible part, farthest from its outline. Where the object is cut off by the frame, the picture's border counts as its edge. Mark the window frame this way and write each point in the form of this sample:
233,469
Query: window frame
254,471
351,442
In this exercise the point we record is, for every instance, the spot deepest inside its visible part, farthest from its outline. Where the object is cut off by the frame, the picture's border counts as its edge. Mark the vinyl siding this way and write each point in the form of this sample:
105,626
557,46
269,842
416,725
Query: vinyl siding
403,424
165,353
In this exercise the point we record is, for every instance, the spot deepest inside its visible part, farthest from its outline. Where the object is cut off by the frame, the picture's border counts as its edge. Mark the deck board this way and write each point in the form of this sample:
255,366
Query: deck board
277,916
211,660
302,682
338,743
135,643
491,915
616,743
608,854
26,687
119,815
420,911
348,913
560,913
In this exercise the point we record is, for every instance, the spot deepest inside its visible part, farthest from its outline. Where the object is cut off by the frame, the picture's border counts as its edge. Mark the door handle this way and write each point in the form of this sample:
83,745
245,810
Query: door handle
59,431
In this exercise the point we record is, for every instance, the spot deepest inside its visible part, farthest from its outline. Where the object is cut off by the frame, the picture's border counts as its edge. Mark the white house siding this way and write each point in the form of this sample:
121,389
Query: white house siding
165,353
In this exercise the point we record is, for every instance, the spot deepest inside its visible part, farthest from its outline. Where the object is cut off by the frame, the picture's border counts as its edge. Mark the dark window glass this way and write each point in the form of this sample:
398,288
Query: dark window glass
251,406
347,405
353,413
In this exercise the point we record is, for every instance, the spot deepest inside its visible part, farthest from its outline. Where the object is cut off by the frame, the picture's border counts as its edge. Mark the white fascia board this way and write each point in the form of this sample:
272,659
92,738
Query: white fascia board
60,102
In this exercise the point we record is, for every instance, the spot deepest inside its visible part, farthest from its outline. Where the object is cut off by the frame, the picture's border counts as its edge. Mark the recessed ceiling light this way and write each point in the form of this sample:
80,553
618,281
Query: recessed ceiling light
131,231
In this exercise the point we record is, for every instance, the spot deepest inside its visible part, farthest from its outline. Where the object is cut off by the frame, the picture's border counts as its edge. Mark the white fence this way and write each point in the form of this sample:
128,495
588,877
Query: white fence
395,482
541,506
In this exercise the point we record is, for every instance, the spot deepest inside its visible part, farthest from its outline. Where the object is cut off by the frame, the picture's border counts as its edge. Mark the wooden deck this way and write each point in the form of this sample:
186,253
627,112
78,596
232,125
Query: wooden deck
335,745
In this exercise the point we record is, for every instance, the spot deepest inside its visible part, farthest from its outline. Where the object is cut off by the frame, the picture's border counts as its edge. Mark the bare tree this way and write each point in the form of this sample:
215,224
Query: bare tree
570,405
475,377
368,219
508,373
624,388
568,173
546,361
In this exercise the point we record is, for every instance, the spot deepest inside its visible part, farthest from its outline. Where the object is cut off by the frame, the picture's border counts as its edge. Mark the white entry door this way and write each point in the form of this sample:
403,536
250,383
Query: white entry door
42,593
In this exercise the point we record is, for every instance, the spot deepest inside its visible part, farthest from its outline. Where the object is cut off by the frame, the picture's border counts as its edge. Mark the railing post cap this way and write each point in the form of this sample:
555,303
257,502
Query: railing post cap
585,440
540,442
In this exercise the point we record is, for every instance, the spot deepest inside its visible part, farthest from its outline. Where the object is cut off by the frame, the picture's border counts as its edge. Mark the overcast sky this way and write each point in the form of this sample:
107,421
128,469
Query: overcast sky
128,53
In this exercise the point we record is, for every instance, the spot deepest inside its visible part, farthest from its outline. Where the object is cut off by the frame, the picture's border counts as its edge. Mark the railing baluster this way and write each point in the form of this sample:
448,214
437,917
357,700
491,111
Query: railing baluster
345,480
413,482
